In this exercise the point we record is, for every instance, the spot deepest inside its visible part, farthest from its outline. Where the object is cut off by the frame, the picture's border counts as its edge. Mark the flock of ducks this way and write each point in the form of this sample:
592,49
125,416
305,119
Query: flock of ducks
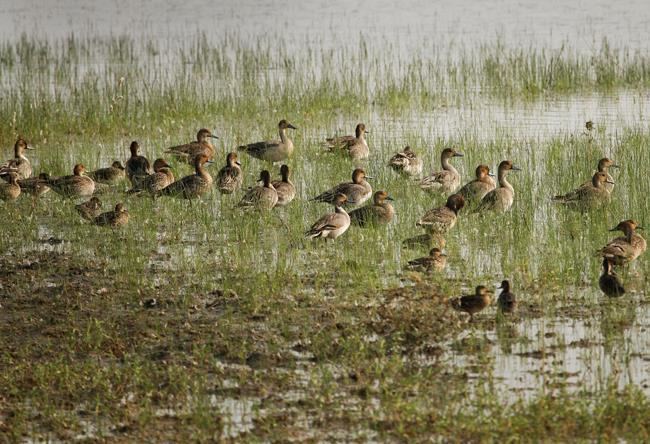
480,195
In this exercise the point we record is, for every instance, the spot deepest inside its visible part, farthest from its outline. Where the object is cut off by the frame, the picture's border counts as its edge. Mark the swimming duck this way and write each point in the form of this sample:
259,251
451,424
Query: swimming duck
285,189
331,225
137,167
624,249
475,190
473,303
161,178
355,146
608,282
379,212
445,181
435,261
115,218
230,178
10,190
19,164
500,199
604,165
36,186
442,219
261,197
587,197
76,185
89,209
110,175
357,192
192,186
406,162
275,150
202,145
507,301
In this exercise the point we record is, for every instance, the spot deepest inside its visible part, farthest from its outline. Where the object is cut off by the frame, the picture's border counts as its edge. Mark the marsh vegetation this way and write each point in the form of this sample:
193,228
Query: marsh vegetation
203,322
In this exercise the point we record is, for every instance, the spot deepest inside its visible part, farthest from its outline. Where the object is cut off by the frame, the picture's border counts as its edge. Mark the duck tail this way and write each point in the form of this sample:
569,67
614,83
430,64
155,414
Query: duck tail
455,304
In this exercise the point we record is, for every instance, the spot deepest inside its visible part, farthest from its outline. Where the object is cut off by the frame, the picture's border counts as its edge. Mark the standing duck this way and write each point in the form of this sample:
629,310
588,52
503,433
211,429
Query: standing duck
587,197
406,162
507,301
230,177
331,225
379,212
475,190
437,222
608,282
624,249
435,261
137,167
192,186
357,192
19,164
446,181
261,197
10,190
274,150
76,185
500,199
285,189
355,146
473,303
110,175
189,151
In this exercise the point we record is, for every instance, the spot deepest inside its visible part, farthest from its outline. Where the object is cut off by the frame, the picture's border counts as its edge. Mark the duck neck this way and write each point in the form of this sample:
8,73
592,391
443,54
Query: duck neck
503,181
201,172
285,177
629,233
447,166
339,209
283,135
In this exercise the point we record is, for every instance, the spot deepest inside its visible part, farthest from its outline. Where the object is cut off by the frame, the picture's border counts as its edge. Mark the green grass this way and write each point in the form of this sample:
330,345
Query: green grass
314,340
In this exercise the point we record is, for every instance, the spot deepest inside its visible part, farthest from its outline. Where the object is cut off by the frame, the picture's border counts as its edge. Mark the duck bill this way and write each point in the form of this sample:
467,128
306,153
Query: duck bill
492,175
291,126
389,198
610,181
238,163
213,136
515,168
459,155
615,166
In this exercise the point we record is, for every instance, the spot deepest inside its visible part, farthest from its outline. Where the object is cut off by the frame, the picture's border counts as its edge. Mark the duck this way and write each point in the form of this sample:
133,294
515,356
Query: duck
435,261
357,192
608,281
588,197
230,177
116,218
500,199
355,146
110,175
625,249
89,210
507,301
603,166
192,186
11,190
153,183
473,303
475,190
261,197
442,219
379,212
76,185
20,163
406,162
284,187
331,225
36,186
446,181
273,150
137,167
202,145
